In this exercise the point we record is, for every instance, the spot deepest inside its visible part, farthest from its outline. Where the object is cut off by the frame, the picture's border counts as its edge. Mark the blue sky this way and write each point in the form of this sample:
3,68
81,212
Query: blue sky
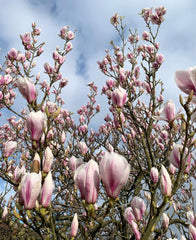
91,18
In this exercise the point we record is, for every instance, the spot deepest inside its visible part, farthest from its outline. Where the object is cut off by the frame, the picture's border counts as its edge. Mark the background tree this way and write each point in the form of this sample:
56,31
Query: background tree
129,179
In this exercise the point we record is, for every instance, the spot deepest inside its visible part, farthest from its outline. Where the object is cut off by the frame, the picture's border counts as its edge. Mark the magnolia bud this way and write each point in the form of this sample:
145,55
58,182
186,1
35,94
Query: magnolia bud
74,225
165,180
154,173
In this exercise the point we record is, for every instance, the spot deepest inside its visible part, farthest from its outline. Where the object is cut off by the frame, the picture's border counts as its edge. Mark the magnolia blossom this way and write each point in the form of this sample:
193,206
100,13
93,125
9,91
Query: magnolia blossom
119,97
192,232
30,189
165,220
87,179
74,225
186,80
138,207
47,160
167,113
63,137
8,148
172,169
174,157
5,212
191,217
182,238
135,230
154,174
12,54
83,147
129,215
115,19
165,180
47,189
18,173
36,122
114,171
74,163
27,89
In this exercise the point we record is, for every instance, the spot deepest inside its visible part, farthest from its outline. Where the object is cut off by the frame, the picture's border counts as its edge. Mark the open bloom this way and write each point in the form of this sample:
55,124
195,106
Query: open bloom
9,147
30,189
12,54
114,171
165,180
186,80
138,207
87,179
35,123
27,89
119,97
167,113
174,157
47,189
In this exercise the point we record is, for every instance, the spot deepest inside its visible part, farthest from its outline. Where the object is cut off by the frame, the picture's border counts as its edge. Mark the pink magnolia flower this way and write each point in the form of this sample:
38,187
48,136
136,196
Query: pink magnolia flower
27,89
29,189
70,35
145,35
48,68
174,157
63,137
172,169
191,217
74,225
26,38
12,54
192,232
36,122
114,171
165,181
135,230
186,80
83,147
5,212
74,163
115,20
8,148
87,179
167,113
119,97
63,32
18,173
129,215
159,59
138,207
46,192
154,174
165,220
47,160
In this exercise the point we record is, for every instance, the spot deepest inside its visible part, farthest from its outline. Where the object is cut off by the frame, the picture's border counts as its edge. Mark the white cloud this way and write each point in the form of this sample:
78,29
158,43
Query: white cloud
94,31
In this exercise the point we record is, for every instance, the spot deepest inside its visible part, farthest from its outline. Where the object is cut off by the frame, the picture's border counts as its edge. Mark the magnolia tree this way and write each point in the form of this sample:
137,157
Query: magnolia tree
130,178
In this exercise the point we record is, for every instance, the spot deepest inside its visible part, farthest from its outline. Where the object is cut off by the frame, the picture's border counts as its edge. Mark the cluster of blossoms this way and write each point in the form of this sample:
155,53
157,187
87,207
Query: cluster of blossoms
131,178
